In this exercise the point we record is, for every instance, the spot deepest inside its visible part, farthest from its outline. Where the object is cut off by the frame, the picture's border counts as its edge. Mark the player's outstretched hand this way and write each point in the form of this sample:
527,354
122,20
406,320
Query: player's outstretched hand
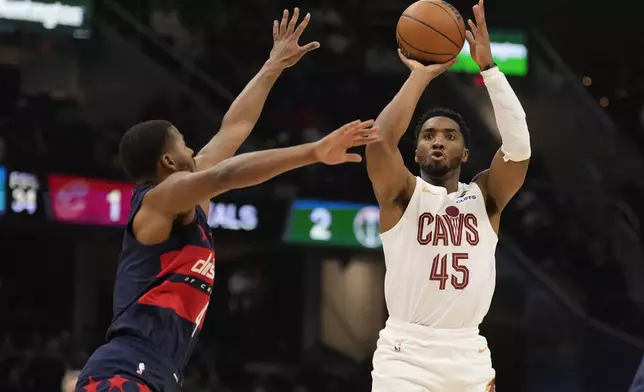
428,72
479,37
286,34
332,150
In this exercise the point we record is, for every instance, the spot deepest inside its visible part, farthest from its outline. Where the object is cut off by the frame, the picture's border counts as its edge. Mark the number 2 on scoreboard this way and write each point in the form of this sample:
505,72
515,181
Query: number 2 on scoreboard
321,219
439,271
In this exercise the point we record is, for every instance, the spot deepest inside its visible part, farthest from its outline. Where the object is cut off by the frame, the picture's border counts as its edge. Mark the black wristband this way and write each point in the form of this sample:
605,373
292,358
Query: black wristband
489,66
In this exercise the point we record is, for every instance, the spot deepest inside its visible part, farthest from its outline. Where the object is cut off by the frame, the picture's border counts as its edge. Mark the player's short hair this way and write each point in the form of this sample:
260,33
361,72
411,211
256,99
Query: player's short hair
444,112
142,146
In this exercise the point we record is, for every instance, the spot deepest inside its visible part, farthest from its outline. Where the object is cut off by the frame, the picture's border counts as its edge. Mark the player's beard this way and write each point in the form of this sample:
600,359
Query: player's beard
438,169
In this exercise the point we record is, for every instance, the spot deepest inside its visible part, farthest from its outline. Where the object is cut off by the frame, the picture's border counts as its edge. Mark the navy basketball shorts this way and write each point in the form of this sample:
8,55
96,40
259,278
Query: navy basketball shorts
124,365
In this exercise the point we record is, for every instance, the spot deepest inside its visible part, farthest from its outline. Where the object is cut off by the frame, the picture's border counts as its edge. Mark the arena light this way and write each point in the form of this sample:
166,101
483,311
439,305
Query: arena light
50,15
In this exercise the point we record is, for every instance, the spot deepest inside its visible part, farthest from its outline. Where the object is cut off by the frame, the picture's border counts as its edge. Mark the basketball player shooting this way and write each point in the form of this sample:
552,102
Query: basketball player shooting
167,265
439,235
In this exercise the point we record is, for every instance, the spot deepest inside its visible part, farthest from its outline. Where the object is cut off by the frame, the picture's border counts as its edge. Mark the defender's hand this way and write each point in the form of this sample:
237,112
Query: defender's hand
479,41
286,50
332,150
427,72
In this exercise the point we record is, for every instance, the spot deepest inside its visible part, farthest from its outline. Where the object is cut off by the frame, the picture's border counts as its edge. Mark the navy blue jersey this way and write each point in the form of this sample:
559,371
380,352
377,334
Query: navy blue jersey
162,291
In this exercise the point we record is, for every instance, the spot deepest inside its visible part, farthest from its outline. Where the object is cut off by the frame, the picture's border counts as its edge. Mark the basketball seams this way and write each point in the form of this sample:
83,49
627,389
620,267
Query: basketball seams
428,26
451,14
400,37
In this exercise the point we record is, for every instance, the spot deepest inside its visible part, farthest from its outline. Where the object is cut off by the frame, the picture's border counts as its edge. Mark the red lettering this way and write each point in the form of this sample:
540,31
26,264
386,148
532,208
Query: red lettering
425,221
465,279
441,232
455,228
439,271
471,227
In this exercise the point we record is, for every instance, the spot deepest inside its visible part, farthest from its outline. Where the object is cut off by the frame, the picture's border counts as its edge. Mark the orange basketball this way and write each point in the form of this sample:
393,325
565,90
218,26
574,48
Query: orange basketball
431,31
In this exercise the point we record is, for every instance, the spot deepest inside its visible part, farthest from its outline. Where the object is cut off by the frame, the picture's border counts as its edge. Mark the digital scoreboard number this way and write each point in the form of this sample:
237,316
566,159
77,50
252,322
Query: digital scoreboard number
23,188
334,224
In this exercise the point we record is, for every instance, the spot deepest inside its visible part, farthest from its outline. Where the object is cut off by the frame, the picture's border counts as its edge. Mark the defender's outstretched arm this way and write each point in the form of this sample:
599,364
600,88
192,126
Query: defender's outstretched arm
244,112
180,192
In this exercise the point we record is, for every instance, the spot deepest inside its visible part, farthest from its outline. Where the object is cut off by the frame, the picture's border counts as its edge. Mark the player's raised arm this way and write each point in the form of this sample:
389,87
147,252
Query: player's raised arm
389,176
244,112
183,190
510,164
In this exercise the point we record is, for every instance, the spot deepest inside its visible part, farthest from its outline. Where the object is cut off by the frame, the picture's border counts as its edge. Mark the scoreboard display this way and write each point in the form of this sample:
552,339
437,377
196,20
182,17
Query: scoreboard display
33,198
89,201
333,224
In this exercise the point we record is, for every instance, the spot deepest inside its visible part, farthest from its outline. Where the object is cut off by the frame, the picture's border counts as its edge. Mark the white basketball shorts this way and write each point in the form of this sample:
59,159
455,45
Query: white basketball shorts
415,358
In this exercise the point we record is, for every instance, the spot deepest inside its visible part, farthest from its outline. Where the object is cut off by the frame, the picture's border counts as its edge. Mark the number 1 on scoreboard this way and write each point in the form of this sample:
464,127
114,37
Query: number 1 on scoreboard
114,200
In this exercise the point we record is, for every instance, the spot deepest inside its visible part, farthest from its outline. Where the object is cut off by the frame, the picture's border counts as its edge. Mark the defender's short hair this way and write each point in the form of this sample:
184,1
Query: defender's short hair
444,112
142,146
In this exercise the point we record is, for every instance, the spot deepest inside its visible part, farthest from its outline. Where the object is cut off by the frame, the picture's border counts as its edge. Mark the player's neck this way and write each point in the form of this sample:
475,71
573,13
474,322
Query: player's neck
450,182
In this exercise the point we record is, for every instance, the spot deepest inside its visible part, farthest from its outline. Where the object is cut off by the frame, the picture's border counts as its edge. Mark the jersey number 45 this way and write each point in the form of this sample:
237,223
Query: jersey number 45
460,276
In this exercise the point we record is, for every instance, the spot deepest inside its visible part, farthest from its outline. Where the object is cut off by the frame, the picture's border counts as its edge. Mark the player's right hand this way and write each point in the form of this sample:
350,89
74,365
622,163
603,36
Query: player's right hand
332,149
428,72
286,49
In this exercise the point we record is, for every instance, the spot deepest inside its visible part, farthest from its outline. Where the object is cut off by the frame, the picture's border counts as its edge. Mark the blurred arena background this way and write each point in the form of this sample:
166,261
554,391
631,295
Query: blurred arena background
298,300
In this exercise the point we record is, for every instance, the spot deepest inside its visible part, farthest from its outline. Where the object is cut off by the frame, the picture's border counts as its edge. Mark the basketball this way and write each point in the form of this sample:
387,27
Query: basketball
431,31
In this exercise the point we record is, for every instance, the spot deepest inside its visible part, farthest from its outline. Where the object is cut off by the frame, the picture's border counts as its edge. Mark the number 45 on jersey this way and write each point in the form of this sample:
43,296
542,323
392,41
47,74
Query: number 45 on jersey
460,275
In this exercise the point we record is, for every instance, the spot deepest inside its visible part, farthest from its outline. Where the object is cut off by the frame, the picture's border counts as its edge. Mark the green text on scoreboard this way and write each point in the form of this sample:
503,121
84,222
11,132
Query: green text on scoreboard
333,224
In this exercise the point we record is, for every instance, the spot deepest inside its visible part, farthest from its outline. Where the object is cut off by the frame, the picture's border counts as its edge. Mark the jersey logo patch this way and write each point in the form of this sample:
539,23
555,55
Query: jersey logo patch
428,190
463,197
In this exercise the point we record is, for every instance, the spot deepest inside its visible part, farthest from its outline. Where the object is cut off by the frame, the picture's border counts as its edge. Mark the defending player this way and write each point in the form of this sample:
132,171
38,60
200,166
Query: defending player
167,264
439,236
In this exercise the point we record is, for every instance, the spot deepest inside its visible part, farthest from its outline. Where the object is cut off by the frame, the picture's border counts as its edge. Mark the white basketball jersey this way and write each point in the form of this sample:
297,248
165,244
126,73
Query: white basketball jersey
440,258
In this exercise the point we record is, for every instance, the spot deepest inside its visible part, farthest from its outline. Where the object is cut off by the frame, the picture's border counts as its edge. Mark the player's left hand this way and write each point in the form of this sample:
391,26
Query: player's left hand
332,149
479,38
286,50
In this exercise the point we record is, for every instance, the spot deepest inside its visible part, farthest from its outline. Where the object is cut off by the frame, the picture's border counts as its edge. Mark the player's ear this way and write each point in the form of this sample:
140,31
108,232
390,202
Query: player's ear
465,156
168,163
416,156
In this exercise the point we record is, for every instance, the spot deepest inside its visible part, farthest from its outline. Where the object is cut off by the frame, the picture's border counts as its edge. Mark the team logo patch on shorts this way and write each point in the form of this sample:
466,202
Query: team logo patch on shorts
398,347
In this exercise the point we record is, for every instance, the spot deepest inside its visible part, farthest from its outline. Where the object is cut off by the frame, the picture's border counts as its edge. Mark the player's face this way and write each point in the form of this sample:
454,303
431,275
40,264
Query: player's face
179,157
441,147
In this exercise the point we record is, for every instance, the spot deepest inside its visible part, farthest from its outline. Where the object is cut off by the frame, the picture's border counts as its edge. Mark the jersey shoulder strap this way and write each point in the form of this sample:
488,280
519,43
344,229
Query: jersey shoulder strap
137,199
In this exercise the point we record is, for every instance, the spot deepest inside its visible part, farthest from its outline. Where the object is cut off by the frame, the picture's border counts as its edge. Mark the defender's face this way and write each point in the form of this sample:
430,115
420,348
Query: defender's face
179,156
441,147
